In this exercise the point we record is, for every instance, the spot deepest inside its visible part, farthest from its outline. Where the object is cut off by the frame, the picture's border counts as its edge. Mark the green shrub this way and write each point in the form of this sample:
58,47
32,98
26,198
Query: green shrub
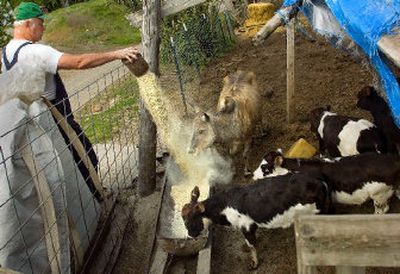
6,20
207,35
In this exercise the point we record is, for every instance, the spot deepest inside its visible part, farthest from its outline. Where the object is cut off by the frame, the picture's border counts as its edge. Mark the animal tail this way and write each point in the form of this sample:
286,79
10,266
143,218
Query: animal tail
327,206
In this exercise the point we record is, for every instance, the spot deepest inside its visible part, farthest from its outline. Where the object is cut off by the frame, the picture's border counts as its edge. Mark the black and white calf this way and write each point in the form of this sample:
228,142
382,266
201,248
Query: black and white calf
267,167
369,99
344,136
353,179
269,203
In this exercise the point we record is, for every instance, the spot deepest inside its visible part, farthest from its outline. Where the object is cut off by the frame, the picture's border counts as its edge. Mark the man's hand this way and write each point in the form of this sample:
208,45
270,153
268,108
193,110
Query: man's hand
130,54
91,60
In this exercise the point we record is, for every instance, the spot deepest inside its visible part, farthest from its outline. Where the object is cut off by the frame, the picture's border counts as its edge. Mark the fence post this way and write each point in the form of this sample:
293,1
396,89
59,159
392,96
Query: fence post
290,33
147,128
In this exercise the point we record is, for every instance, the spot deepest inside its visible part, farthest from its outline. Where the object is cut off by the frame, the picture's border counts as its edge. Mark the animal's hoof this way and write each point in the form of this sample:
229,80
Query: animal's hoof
253,265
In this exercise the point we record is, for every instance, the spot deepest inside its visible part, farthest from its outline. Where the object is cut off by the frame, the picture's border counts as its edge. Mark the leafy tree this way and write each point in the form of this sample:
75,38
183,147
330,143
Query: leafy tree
6,20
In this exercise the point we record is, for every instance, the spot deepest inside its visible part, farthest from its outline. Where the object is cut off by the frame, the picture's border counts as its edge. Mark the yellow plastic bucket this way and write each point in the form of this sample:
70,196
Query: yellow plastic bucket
301,149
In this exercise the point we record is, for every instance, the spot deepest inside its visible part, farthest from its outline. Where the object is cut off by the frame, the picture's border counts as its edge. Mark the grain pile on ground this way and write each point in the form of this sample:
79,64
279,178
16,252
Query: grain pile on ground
258,15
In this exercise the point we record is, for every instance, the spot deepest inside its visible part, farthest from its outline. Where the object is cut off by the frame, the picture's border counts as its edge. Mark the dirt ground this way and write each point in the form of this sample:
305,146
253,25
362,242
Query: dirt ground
323,76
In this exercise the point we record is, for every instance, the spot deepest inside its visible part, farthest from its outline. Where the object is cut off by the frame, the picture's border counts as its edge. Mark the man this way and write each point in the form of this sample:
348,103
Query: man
23,50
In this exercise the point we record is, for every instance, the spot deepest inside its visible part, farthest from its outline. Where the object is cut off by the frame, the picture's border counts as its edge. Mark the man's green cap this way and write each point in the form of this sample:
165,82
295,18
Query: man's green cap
28,10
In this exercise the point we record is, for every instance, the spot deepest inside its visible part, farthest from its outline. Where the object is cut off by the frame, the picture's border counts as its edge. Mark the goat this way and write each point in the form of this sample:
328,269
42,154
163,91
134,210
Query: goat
234,122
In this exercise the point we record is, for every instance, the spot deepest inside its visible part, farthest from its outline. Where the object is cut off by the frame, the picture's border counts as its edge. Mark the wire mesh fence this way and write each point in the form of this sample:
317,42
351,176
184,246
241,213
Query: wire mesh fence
190,43
50,206
61,172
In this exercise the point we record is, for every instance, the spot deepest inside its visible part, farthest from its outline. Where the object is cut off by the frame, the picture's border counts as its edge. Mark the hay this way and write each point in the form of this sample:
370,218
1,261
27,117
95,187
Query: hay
259,14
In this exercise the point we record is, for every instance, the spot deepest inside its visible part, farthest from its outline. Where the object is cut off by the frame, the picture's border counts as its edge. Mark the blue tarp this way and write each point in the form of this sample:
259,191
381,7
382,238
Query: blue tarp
365,22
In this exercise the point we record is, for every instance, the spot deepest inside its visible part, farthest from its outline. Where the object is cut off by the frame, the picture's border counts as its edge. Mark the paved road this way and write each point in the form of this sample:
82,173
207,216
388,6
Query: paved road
82,85
81,81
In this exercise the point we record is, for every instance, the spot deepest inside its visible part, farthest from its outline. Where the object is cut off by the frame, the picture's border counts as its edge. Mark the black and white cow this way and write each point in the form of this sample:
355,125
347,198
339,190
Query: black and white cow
269,203
353,179
369,99
344,136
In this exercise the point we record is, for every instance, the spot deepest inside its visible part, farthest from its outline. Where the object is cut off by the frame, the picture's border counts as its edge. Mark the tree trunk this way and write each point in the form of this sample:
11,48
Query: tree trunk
147,128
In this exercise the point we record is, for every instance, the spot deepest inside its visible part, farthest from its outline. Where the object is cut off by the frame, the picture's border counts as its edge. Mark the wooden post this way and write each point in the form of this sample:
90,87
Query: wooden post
349,242
147,128
289,68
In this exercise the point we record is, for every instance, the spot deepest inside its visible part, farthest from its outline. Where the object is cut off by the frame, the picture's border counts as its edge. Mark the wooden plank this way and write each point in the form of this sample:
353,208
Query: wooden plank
94,249
390,46
122,215
77,145
204,257
174,6
108,242
147,129
8,271
169,8
307,269
350,270
356,240
160,260
155,245
47,208
289,68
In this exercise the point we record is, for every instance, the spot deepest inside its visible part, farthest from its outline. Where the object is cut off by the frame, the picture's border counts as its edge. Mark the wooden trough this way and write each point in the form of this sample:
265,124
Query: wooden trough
167,245
166,236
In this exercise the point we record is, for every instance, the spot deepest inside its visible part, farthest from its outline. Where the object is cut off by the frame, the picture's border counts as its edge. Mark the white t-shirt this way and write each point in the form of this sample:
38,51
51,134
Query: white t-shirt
37,56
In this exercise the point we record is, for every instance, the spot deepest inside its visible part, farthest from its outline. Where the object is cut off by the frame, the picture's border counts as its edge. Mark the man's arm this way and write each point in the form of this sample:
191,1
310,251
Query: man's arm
91,60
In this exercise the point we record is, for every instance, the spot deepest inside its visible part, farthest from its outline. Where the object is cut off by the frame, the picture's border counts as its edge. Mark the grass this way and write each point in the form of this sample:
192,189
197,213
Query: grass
103,126
93,24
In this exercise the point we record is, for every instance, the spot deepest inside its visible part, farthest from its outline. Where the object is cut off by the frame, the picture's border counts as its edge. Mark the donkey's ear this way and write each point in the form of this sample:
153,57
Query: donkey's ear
195,194
279,150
